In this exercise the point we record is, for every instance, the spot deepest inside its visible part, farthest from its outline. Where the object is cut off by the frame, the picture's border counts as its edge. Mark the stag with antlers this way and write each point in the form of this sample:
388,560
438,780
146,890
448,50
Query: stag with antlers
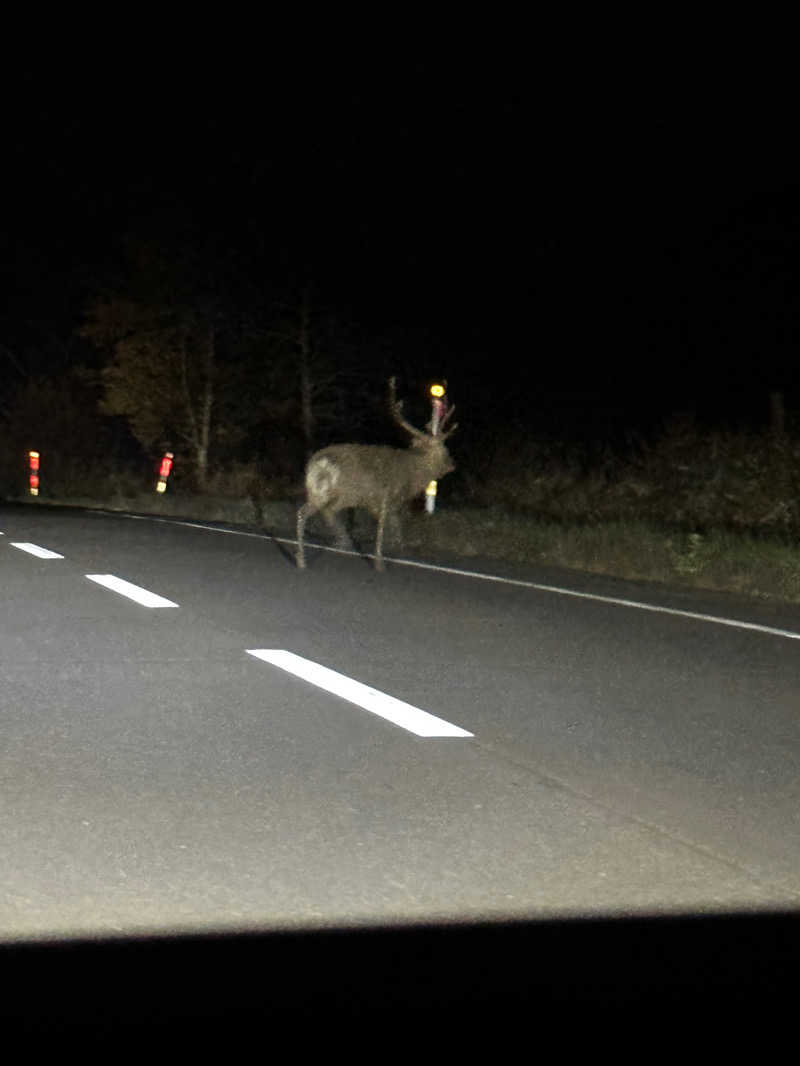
375,477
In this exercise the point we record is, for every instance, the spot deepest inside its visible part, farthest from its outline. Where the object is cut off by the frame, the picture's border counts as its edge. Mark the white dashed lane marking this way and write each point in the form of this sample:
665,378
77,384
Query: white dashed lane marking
416,721
34,549
133,592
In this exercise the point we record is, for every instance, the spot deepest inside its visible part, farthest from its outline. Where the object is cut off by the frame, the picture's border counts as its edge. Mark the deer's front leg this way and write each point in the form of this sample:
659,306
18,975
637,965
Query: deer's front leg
397,523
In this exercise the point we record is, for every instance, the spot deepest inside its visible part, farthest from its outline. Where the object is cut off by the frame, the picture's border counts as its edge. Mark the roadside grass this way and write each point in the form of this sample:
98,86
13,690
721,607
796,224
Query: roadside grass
762,566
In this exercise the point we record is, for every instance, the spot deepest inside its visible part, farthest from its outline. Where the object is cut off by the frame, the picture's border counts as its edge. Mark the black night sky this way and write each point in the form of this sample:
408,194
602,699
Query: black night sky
584,246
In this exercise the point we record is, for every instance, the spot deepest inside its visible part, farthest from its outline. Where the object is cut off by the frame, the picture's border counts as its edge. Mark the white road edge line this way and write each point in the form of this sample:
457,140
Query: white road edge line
614,600
402,714
34,549
736,623
133,592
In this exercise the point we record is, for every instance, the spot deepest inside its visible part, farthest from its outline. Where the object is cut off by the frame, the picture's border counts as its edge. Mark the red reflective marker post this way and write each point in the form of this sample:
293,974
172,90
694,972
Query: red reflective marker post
33,477
164,471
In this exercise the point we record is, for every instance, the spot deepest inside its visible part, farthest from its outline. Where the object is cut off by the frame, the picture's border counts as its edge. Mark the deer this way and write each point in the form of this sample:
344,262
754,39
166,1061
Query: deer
376,477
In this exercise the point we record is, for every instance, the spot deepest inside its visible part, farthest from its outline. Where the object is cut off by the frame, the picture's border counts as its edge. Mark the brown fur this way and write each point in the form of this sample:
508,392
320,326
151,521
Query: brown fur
374,477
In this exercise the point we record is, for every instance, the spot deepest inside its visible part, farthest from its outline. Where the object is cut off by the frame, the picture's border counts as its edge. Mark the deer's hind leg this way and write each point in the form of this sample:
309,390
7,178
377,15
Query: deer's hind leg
302,515
342,539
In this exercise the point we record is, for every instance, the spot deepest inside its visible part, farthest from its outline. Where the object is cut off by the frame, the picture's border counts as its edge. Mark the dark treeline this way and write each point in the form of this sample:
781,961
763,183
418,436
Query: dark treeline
172,333
233,271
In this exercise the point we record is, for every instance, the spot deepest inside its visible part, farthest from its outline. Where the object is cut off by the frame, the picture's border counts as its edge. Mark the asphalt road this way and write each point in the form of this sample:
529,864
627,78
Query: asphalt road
156,776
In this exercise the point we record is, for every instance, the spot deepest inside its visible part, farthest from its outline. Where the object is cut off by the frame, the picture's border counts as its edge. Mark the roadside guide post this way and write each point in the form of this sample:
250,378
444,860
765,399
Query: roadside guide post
33,477
164,471
437,404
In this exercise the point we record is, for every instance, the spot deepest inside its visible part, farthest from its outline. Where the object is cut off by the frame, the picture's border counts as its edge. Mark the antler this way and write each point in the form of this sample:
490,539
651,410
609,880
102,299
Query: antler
397,413
448,414
396,407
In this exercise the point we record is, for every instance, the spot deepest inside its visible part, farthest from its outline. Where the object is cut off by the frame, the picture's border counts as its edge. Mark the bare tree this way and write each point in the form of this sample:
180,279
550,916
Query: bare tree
375,477
320,365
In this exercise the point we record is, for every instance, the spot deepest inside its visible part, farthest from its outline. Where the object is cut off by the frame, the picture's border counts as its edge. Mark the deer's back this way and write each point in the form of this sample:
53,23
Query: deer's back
359,475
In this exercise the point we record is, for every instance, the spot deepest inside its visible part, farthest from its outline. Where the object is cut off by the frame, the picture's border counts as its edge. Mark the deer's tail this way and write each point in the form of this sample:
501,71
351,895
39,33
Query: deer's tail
322,476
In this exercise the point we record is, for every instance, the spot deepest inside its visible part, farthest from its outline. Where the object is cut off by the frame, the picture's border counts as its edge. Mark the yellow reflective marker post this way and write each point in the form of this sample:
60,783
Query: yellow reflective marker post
437,403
